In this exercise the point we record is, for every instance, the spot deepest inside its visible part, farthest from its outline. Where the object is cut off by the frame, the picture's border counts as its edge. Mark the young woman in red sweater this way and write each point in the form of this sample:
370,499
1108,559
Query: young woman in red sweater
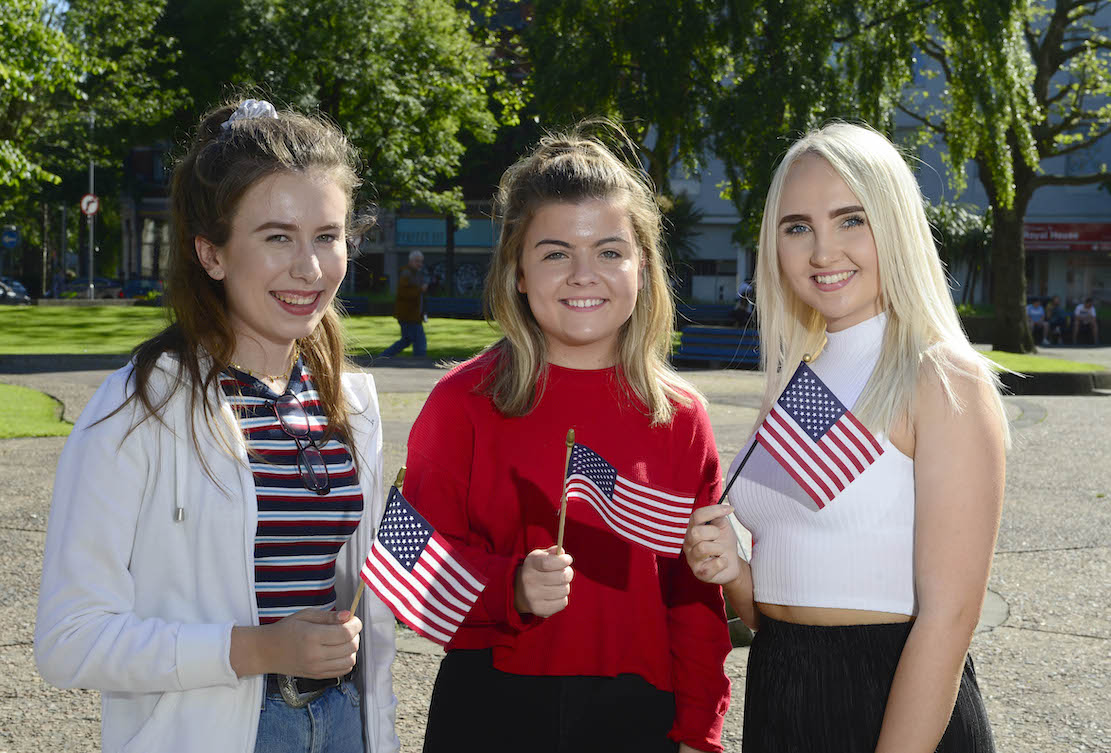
606,645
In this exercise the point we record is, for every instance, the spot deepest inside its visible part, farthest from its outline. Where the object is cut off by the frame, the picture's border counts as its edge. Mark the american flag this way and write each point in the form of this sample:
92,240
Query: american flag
816,439
654,519
418,574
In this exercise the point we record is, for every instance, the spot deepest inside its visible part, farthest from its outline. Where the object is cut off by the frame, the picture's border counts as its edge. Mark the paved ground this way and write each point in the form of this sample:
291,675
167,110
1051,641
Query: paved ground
1043,653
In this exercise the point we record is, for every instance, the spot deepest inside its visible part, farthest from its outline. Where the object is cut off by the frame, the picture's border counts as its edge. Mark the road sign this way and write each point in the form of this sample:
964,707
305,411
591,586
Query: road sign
9,238
90,204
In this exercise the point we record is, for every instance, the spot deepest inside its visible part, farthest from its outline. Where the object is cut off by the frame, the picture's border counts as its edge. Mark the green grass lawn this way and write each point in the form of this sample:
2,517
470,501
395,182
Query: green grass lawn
27,413
1030,364
118,329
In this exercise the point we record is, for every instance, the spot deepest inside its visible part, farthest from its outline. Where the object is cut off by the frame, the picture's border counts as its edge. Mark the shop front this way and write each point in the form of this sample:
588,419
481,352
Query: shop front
1069,259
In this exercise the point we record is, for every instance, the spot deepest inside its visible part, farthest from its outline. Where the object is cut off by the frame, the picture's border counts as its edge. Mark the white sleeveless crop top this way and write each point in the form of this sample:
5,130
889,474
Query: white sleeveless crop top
856,552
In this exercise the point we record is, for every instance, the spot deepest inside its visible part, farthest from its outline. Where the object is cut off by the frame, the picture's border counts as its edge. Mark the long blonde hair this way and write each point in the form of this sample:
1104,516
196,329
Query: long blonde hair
567,168
922,322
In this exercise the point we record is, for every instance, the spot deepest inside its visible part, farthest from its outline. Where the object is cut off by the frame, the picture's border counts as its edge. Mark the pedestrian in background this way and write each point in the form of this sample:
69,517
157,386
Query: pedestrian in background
216,498
627,656
871,545
409,308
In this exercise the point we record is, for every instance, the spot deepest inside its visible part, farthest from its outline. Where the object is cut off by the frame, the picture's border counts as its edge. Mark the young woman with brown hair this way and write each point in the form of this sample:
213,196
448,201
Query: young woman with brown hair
215,500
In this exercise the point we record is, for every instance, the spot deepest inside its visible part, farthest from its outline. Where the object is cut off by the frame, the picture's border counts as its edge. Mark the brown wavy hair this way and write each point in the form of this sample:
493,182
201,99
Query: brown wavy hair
566,168
220,166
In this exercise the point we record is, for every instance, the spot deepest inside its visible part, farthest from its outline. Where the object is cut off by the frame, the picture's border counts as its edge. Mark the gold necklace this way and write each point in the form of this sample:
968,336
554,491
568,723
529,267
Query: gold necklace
269,377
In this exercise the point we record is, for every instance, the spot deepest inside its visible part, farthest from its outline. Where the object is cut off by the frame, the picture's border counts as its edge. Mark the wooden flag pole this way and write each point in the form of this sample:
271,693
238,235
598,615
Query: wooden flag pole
563,499
359,589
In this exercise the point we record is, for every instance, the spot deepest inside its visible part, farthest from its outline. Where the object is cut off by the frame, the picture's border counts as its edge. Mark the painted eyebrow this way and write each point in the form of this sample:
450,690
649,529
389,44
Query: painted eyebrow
565,244
835,213
274,225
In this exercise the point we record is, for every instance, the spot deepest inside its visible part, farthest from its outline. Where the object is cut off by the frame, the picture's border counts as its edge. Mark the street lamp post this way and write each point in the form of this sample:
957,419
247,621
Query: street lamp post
91,215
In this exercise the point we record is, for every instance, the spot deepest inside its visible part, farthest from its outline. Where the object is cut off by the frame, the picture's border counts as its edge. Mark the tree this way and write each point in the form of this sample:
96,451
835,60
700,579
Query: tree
61,62
39,68
798,64
1059,105
405,79
650,64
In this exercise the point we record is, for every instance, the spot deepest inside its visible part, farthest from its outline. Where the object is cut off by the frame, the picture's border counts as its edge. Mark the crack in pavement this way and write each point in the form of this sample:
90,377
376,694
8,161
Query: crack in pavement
1055,632
24,530
1051,549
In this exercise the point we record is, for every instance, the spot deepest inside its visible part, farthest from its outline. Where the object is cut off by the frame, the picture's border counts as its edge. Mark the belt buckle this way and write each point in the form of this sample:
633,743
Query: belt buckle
293,696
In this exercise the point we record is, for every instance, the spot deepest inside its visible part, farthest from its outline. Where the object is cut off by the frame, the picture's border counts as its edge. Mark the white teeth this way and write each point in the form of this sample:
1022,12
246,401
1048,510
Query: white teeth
295,300
582,303
830,279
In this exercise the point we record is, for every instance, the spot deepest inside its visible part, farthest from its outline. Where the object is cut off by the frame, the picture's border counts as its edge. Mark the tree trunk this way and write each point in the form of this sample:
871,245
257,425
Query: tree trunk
1008,270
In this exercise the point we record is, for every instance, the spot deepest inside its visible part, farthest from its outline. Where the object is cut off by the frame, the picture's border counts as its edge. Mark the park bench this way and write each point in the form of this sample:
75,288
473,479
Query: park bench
703,313
453,308
718,347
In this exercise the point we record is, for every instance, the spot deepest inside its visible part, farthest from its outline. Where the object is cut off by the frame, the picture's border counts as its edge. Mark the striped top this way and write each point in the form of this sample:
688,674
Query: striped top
299,531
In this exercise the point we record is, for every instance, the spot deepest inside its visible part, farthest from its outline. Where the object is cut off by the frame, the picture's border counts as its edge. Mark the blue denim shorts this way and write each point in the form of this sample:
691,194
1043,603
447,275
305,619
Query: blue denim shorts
332,723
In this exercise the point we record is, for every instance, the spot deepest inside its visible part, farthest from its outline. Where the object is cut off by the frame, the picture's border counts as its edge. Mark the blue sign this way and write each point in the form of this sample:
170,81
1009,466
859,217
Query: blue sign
9,238
418,231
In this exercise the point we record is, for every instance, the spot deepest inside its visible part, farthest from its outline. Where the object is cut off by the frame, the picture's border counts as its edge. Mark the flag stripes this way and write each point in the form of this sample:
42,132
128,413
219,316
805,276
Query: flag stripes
818,441
651,518
418,574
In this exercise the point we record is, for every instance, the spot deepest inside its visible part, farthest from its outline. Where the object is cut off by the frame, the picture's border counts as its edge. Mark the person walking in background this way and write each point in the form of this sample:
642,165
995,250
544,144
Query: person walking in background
1039,323
409,308
607,646
215,501
874,484
1084,318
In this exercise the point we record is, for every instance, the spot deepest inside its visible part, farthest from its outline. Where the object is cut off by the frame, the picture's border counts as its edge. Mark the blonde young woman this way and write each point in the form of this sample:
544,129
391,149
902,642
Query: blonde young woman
606,646
864,607
216,498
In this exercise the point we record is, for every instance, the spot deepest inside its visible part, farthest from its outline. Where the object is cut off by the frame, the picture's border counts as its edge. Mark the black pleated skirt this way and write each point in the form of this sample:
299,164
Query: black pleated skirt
815,689
477,707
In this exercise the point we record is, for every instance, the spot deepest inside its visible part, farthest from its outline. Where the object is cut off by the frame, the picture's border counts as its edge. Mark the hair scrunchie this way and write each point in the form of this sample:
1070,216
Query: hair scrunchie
249,109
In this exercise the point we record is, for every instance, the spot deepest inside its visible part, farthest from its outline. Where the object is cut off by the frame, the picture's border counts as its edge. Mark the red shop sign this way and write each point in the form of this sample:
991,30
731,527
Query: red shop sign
1067,236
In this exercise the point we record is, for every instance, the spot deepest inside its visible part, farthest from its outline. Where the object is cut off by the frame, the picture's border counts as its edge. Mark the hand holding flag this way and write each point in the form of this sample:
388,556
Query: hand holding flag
653,519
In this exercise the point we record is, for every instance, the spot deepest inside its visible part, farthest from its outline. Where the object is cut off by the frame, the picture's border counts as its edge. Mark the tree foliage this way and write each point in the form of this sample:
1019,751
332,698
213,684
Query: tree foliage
962,234
651,64
405,79
1059,103
39,68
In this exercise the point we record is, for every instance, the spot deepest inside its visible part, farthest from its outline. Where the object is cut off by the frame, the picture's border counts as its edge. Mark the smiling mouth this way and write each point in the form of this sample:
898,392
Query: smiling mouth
583,303
832,279
296,300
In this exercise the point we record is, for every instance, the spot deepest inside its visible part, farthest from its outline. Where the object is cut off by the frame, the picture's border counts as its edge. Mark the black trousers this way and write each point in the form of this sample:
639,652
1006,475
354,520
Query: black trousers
813,689
474,706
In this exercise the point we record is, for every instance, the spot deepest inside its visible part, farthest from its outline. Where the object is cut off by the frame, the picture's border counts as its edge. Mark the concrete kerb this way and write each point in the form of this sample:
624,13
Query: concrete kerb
1042,383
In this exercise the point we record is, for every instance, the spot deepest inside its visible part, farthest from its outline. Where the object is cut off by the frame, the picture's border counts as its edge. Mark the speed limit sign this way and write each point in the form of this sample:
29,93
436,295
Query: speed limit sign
90,204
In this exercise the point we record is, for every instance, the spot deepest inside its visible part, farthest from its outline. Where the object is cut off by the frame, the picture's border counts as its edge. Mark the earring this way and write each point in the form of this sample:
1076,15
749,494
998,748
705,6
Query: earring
216,274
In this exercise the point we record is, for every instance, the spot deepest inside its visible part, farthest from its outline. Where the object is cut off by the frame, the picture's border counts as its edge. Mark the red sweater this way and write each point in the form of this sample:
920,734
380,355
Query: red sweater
491,485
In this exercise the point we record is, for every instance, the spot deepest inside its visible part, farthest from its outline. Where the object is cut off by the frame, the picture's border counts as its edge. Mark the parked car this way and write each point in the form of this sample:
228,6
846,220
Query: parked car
140,287
9,297
15,285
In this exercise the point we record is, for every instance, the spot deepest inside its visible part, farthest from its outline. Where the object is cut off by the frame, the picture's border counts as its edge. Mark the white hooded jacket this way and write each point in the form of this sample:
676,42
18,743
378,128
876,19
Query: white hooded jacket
140,605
